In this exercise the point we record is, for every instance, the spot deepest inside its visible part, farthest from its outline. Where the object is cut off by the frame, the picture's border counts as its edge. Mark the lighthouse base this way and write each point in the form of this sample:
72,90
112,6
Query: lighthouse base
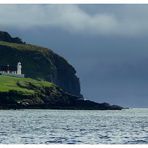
12,75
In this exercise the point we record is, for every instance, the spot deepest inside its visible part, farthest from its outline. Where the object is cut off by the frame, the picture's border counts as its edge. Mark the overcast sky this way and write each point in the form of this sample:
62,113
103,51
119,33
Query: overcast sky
107,44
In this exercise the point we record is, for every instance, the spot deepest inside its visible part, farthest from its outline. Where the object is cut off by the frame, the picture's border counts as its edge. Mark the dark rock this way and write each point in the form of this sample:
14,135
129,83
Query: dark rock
4,36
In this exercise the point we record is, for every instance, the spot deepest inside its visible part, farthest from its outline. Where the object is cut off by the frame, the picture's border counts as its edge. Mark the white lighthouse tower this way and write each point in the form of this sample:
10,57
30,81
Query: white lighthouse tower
19,68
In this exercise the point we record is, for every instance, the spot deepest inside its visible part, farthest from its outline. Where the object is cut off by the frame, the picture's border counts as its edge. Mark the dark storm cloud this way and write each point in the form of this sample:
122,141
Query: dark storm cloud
111,62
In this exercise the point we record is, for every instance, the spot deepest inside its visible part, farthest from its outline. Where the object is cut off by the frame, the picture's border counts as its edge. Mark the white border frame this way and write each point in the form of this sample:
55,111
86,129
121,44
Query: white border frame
73,2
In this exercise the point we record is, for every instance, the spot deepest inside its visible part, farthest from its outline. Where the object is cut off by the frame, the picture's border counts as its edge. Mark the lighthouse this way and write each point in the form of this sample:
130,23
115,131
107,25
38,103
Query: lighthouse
19,68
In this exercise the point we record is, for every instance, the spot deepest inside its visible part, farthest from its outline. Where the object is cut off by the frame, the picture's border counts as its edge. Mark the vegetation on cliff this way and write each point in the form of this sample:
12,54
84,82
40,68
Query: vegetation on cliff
18,93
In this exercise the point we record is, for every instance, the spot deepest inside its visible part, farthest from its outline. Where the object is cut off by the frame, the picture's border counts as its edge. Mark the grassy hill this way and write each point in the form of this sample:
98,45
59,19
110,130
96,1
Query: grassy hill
8,83
25,47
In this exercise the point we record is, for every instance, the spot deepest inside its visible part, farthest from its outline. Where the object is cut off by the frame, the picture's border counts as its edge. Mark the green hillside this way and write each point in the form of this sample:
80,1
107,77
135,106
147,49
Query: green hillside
25,47
8,83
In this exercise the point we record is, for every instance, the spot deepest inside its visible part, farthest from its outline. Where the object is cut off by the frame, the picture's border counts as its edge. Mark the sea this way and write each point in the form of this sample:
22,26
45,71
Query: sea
37,126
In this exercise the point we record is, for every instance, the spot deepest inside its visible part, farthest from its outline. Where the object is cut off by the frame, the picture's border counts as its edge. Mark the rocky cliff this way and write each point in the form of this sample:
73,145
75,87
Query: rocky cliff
39,63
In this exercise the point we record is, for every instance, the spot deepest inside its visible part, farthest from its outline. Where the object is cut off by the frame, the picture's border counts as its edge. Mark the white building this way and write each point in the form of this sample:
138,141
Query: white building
12,70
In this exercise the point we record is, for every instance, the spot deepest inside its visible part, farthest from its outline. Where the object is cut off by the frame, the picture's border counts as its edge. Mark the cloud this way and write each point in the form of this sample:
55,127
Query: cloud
128,20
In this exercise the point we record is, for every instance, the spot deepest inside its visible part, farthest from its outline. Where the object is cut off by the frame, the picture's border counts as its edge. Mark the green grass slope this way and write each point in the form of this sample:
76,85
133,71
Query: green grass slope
8,83
25,47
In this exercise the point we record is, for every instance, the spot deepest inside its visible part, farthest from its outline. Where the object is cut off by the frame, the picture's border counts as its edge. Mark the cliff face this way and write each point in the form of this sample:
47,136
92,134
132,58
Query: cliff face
39,63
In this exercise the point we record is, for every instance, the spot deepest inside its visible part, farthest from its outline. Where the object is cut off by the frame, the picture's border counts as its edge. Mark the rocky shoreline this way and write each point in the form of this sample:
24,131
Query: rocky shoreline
34,94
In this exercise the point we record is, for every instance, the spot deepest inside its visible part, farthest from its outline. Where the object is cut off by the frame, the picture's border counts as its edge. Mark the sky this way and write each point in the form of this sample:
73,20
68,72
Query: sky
107,45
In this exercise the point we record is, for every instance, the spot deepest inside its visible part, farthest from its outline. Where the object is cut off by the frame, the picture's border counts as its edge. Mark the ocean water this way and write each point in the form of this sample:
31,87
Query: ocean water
129,126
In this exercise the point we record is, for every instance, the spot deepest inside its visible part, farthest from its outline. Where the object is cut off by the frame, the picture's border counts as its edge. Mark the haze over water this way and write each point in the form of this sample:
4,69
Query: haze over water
127,126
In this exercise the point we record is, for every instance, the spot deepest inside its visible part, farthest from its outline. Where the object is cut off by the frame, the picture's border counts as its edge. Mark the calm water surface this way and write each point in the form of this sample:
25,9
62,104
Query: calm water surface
128,126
